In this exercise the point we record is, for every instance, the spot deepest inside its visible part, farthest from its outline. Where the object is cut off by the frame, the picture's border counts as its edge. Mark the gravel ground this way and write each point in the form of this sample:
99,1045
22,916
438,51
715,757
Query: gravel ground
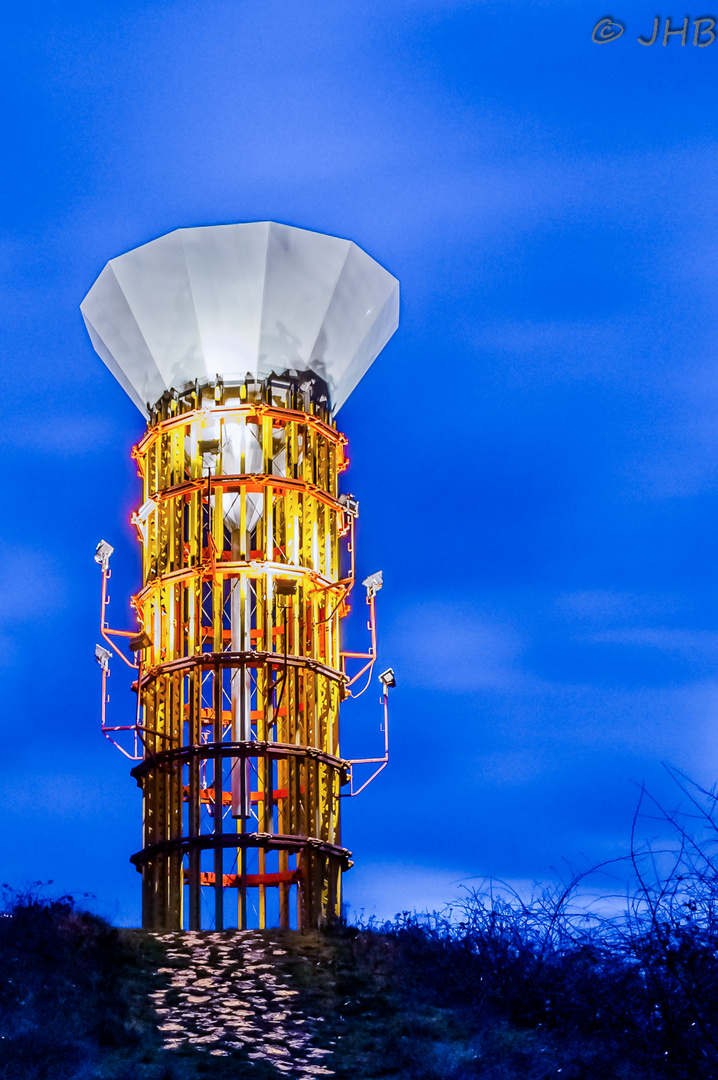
223,992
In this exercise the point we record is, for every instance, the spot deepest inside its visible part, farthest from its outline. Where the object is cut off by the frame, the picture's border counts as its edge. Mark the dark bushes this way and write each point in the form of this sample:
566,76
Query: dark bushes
66,989
500,988
631,994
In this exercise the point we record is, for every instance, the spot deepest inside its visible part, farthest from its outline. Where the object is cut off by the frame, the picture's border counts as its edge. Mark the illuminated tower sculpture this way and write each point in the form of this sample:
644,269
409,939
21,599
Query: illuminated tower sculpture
239,343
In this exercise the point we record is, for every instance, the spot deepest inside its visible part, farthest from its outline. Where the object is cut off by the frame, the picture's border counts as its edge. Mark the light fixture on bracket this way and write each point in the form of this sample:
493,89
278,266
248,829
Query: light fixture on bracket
208,446
373,583
102,655
387,679
350,504
142,640
103,552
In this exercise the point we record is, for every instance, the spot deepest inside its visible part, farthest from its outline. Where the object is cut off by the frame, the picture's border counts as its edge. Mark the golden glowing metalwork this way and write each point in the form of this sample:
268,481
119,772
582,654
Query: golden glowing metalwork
240,672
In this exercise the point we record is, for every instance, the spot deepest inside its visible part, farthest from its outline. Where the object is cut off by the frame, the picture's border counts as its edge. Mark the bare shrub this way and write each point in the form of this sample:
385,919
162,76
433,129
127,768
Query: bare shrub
629,986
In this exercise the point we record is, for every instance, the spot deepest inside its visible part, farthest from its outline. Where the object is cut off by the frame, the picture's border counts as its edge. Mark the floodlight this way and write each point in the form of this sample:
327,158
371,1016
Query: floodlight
208,446
285,586
103,552
350,504
387,678
373,583
140,641
102,656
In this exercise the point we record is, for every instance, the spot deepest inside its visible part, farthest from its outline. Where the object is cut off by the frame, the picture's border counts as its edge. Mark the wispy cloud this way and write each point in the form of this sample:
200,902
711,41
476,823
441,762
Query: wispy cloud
30,584
383,890
65,436
32,590
445,646
665,639
611,605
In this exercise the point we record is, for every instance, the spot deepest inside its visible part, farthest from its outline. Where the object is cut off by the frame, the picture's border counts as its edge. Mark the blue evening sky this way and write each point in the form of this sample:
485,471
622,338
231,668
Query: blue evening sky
534,452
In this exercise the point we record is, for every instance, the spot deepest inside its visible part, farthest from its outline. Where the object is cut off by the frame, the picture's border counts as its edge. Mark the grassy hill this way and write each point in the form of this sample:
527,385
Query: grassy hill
513,991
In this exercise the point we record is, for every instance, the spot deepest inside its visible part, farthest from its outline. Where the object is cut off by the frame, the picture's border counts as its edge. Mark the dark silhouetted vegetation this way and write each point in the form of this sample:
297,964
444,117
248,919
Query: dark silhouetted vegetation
74,1000
501,987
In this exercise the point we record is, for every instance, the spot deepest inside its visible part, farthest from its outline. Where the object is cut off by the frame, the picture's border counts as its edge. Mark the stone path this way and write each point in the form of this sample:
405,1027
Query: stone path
234,998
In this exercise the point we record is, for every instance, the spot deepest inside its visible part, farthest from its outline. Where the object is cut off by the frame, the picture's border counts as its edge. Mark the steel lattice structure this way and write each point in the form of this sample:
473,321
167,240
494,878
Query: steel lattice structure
248,562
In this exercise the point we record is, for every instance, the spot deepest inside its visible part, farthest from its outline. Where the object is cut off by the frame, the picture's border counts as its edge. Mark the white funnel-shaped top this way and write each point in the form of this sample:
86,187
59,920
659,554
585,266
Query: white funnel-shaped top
231,299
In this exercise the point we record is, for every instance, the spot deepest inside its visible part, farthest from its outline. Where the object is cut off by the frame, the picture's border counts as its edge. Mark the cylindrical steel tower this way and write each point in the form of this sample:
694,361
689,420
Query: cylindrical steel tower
240,671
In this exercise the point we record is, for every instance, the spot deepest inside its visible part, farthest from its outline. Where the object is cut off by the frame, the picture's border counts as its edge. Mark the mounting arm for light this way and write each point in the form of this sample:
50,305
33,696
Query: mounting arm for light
372,584
387,680
102,556
103,655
